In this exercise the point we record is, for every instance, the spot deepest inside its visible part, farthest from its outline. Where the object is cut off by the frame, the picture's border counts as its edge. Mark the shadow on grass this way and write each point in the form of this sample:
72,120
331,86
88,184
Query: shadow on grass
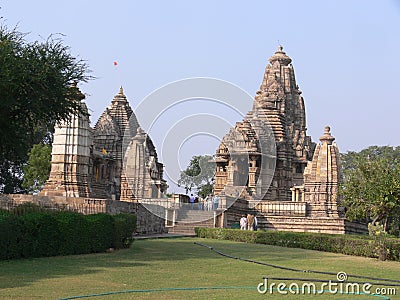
19,273
22,272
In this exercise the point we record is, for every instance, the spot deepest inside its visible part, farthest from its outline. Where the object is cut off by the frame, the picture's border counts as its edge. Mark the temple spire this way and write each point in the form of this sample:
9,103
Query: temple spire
280,56
120,97
327,137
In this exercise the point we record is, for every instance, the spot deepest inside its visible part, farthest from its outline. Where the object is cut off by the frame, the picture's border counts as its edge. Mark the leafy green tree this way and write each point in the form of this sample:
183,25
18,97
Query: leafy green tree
36,172
38,88
350,159
199,174
371,190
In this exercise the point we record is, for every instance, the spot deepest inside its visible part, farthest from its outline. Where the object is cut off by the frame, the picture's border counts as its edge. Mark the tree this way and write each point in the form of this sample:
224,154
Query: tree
199,174
371,190
38,88
350,159
36,172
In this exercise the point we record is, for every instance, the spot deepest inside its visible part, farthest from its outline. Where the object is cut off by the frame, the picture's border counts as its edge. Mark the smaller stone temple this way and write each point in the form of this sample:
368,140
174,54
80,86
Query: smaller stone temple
322,177
115,160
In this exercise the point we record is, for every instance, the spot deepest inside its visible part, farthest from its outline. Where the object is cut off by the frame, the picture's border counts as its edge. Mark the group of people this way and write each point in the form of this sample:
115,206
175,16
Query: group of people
248,222
209,202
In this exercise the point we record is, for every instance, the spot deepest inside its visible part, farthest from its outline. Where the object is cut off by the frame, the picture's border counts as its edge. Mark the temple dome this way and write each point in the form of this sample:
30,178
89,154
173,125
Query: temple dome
327,137
281,57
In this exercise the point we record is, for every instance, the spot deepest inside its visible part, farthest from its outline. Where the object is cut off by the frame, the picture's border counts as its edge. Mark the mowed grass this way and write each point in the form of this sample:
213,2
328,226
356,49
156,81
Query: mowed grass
179,263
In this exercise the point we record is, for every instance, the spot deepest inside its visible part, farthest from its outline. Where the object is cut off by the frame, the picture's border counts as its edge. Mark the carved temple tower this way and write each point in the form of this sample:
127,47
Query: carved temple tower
271,145
115,160
108,135
278,103
70,157
124,155
321,179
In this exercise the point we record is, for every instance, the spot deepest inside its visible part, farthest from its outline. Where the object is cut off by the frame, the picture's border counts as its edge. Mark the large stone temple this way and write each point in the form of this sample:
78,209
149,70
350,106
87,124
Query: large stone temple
279,106
115,160
270,163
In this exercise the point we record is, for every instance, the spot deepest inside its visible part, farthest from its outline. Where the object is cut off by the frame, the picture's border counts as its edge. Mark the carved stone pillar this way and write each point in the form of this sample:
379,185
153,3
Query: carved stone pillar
70,158
231,171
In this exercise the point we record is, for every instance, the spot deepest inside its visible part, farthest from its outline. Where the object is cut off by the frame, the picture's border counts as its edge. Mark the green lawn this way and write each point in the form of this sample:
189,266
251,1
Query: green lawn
178,263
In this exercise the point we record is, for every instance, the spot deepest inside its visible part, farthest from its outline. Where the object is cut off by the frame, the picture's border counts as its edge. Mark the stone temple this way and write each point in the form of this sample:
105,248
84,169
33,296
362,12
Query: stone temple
266,165
280,104
273,166
115,160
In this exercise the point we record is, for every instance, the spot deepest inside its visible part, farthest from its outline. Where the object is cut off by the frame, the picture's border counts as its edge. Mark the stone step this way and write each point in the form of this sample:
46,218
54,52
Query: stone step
193,220
185,227
186,232
98,191
194,216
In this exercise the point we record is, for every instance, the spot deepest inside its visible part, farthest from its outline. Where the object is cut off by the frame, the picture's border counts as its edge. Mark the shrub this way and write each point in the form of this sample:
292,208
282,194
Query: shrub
74,237
124,227
345,244
100,231
4,212
10,235
32,231
40,235
26,208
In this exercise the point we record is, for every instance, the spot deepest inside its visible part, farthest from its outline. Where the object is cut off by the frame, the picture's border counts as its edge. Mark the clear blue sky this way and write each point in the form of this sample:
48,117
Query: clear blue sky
345,53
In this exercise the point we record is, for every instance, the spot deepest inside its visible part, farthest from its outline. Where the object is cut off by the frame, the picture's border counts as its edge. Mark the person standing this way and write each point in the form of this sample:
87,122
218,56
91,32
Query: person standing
209,202
250,222
191,201
255,226
243,223
215,202
200,202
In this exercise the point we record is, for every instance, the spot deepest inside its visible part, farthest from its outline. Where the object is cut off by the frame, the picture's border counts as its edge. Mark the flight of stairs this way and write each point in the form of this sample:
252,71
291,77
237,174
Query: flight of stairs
187,220
98,191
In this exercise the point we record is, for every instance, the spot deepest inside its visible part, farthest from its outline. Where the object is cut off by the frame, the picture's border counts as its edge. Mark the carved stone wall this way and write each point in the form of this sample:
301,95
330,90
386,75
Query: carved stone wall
290,216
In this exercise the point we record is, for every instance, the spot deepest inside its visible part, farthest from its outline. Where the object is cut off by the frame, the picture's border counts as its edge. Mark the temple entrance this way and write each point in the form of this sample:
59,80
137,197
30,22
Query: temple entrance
241,172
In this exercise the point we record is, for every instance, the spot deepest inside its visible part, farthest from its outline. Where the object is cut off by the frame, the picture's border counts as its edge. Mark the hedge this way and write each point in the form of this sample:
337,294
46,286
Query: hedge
10,235
75,237
37,233
123,224
344,244
40,235
100,231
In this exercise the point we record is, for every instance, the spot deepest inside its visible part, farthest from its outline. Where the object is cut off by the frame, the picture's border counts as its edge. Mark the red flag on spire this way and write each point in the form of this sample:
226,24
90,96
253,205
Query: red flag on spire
115,63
